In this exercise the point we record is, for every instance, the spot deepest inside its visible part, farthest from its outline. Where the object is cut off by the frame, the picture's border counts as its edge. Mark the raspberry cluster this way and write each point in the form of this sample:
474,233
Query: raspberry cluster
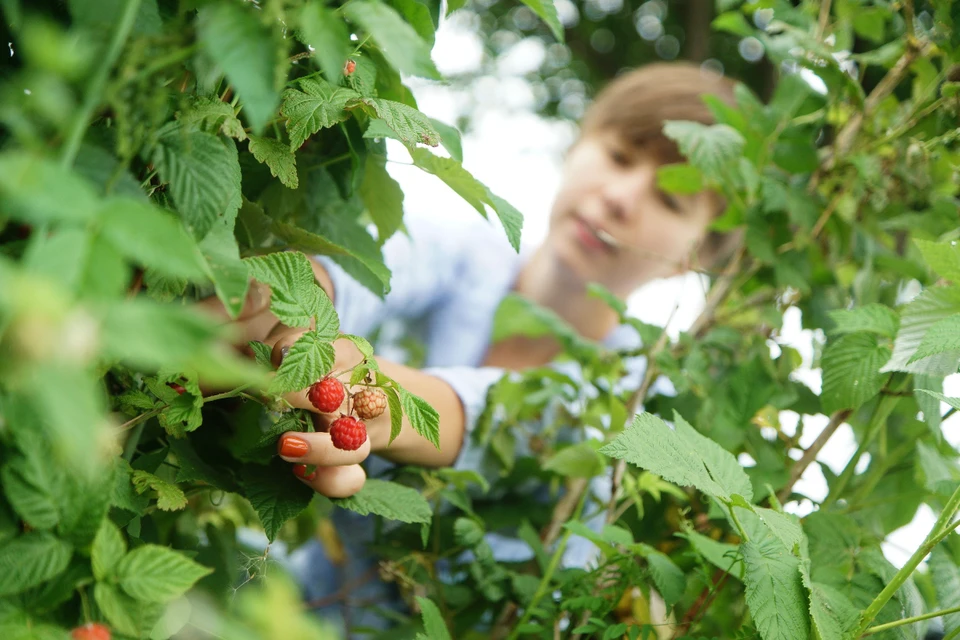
347,432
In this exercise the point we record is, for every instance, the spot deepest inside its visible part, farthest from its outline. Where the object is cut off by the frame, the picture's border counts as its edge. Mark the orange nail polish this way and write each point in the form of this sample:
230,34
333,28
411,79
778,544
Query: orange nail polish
293,447
300,471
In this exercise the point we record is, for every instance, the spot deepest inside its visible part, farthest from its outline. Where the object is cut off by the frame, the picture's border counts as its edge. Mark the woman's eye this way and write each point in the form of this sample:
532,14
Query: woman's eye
619,158
671,201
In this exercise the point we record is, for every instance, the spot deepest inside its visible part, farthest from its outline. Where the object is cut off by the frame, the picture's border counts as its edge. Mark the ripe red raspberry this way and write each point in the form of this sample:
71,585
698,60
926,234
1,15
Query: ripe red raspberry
370,403
348,433
91,631
349,67
327,395
176,387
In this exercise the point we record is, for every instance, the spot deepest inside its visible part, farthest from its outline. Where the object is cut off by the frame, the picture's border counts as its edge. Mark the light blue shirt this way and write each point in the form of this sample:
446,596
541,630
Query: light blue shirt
448,278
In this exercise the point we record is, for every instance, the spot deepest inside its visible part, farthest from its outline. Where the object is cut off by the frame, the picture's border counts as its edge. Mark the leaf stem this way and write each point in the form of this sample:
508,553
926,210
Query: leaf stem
737,523
544,586
226,394
92,97
905,621
941,530
879,418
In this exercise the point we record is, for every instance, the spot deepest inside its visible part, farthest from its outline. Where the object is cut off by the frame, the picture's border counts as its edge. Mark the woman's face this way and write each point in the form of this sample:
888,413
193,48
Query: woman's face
611,224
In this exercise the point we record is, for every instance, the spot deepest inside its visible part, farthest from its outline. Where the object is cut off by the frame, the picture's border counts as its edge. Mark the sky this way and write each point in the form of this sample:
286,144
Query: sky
519,155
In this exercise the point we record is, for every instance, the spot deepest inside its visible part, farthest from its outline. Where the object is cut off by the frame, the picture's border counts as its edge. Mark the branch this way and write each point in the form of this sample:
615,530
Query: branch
905,621
823,19
811,453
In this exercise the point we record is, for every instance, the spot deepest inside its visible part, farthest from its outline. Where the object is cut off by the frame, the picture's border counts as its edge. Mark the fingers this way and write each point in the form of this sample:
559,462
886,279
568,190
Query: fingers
282,338
317,449
333,482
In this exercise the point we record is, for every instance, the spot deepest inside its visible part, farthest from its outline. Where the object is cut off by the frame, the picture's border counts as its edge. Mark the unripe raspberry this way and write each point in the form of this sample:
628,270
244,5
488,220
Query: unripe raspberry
370,403
91,631
327,395
348,433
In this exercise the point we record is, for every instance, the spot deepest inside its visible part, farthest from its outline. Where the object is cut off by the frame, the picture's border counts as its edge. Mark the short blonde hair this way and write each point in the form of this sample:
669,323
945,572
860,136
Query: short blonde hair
635,106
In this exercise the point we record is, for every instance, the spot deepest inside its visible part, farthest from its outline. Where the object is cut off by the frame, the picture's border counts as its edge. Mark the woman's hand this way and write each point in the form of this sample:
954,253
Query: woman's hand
338,473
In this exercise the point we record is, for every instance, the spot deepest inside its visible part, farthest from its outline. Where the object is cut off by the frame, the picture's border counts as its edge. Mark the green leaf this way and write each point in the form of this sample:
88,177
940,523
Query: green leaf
946,582
732,22
871,318
231,278
942,338
32,486
205,112
923,312
85,502
170,497
670,580
30,560
785,526
953,402
382,196
679,178
149,335
449,138
396,411
37,190
467,532
317,105
275,494
101,15
721,464
870,23
418,14
295,295
677,456
929,404
942,475
203,173
774,589
433,622
126,615
402,47
361,343
157,574
423,418
277,156
510,217
236,40
310,358
455,176
194,469
410,125
547,11
262,353
152,238
711,149
579,460
327,33
390,500
722,555
831,612
851,371
108,548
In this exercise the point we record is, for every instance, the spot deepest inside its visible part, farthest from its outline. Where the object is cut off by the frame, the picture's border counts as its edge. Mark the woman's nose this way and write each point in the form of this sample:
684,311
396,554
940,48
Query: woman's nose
625,192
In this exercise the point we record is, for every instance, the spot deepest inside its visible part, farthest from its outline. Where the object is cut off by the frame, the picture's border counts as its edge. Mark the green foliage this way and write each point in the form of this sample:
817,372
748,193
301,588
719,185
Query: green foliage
153,154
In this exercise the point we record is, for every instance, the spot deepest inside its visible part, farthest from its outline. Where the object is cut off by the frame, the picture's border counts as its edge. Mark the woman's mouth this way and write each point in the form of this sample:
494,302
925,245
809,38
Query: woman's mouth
594,238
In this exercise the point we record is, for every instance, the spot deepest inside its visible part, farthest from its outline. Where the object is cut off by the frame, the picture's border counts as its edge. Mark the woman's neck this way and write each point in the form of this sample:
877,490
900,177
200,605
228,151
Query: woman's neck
545,283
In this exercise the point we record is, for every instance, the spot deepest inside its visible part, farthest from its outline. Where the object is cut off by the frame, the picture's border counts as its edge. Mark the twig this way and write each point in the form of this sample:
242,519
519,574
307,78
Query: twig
811,453
823,19
905,621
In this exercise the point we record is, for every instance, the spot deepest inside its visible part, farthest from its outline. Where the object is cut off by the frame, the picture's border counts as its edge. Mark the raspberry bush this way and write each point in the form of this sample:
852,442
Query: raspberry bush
158,152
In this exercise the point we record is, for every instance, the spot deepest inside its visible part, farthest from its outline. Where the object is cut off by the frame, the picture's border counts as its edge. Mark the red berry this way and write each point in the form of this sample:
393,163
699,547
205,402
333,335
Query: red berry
370,403
348,433
176,387
327,395
91,631
349,67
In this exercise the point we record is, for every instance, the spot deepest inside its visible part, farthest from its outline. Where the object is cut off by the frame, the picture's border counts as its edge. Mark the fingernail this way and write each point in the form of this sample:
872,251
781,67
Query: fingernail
293,447
300,470
283,353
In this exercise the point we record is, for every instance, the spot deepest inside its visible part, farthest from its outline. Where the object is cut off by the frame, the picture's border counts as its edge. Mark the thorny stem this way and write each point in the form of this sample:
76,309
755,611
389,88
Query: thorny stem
95,87
941,530
811,453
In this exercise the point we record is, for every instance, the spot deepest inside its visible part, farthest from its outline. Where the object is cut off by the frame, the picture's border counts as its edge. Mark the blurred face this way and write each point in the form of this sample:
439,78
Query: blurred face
610,222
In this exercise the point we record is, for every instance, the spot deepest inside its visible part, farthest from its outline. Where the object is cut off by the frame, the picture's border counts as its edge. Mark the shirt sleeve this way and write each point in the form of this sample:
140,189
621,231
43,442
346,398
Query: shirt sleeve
424,268
471,385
